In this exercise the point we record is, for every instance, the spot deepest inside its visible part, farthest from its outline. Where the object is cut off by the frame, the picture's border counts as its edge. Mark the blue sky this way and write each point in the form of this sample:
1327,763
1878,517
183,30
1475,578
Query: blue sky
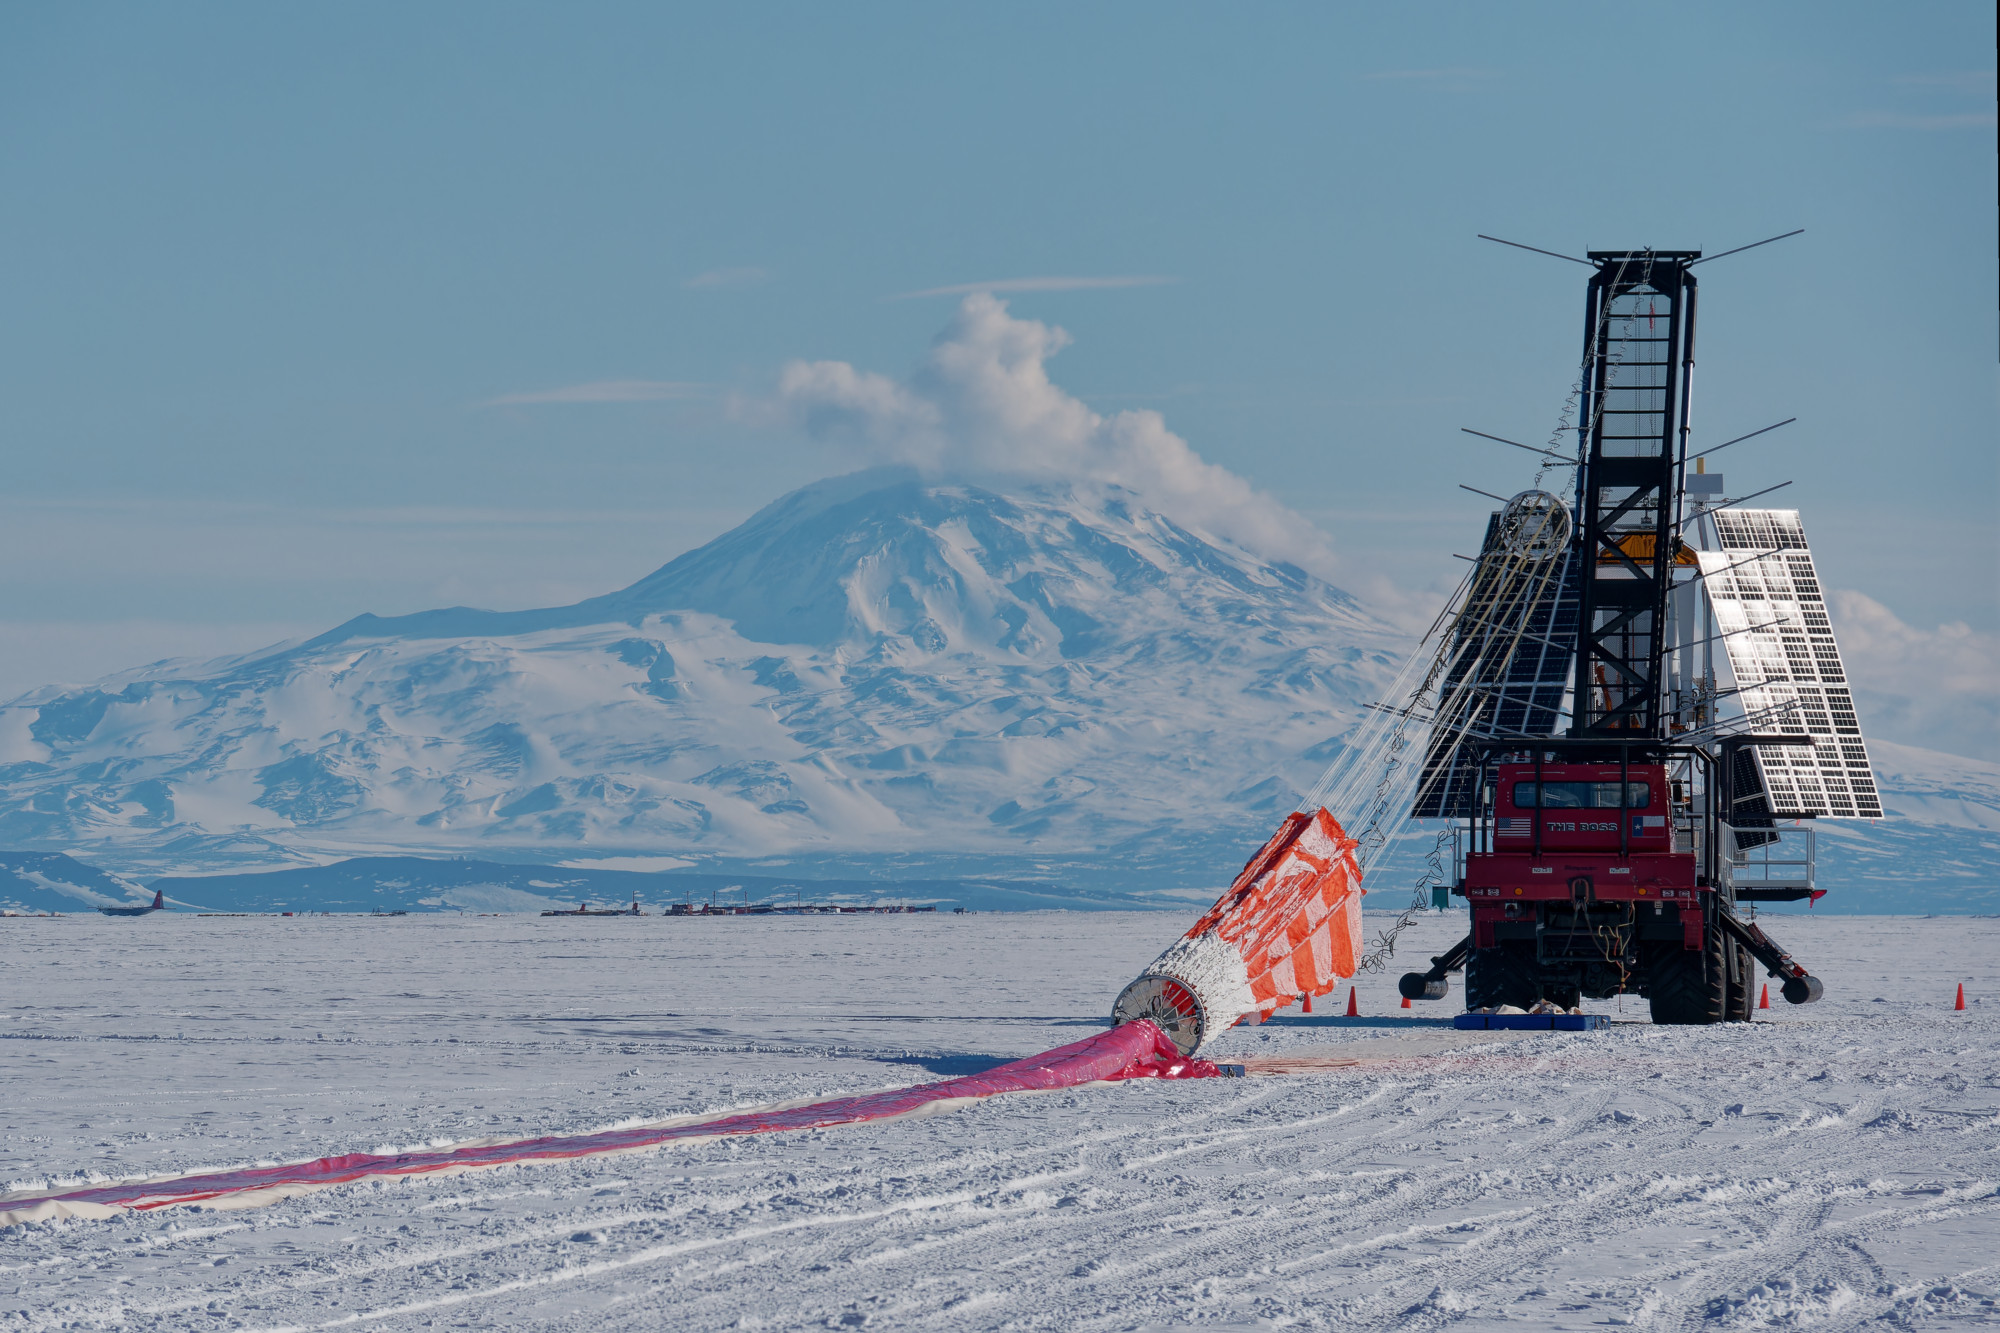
315,311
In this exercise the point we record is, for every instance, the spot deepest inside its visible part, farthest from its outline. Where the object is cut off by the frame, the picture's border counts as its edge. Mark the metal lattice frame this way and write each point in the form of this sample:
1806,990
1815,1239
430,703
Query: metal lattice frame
1639,322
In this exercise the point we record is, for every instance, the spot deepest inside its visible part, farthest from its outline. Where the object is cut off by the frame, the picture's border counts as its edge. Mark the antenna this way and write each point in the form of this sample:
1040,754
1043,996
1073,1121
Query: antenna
1739,439
1538,250
1752,246
1467,430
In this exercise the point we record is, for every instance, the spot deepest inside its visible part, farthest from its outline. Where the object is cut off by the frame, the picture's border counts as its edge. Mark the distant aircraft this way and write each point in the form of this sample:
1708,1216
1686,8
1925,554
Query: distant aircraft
159,904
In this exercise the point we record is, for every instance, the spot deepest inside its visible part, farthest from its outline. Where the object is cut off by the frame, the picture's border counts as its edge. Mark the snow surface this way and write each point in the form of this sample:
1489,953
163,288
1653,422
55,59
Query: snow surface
1832,1166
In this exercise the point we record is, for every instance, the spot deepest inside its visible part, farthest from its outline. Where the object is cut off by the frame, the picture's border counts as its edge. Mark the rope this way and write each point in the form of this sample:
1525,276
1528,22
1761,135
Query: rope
1497,586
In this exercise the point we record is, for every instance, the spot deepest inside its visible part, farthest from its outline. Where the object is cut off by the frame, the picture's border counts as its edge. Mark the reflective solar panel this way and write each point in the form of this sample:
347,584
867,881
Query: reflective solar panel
1767,601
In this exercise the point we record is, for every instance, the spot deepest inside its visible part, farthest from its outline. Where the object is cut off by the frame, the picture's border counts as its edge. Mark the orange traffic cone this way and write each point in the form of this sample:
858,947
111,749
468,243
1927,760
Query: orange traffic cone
1406,1001
1353,1009
1309,1002
1764,997
1961,996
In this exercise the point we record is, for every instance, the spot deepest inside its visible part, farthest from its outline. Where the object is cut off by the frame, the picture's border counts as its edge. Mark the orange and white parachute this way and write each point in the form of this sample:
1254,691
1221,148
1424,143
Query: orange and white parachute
1289,926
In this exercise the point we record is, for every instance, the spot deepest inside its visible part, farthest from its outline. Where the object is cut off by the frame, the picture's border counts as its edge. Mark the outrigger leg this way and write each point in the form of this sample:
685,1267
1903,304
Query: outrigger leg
1800,986
1432,985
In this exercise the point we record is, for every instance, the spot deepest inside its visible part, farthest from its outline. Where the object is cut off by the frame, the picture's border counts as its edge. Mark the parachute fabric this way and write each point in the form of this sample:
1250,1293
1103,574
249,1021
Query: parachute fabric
1290,925
1135,1050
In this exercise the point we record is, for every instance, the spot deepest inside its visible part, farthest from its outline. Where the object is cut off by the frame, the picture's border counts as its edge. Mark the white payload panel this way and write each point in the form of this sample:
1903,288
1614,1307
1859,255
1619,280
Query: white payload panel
1768,606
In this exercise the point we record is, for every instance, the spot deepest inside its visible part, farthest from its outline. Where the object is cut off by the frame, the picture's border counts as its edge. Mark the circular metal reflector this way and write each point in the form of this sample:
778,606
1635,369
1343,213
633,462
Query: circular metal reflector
1169,1004
1534,526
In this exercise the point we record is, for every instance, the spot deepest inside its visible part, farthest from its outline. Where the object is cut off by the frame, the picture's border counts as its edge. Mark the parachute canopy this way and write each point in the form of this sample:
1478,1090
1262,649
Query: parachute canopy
1289,926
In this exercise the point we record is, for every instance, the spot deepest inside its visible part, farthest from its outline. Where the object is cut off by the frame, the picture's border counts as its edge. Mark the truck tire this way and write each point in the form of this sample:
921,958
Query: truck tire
1501,975
1742,1002
1688,987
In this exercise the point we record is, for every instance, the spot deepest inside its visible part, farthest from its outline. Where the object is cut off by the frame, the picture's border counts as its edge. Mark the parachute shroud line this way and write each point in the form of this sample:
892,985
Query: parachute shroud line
1290,925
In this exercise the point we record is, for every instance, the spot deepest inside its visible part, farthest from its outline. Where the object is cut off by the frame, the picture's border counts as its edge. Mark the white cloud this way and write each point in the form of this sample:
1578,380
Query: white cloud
1898,120
605,391
1035,285
1943,88
729,277
1934,688
1447,74
982,405
1978,82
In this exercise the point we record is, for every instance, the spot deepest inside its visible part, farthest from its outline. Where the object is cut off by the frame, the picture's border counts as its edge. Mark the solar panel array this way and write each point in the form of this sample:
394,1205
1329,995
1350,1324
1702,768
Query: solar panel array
1512,646
1767,602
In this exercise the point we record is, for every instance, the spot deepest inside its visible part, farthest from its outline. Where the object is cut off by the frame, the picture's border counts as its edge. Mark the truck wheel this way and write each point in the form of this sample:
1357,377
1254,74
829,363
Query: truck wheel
1502,975
1742,1003
1687,987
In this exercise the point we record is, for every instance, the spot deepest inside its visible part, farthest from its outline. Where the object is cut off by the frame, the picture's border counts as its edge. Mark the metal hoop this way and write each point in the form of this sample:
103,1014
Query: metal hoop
1535,526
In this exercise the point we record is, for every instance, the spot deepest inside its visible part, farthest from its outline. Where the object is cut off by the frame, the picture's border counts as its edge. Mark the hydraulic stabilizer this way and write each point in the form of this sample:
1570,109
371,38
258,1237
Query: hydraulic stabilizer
1800,986
1435,984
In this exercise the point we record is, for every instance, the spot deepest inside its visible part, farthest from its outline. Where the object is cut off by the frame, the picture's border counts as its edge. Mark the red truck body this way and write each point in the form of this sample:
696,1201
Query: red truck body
1590,847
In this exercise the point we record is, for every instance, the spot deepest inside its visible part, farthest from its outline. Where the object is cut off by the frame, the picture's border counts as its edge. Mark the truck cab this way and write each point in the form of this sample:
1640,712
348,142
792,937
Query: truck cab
1580,807
1574,879
1579,834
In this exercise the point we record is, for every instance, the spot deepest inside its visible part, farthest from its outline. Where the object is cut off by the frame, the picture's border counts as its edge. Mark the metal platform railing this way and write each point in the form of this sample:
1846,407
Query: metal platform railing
1755,860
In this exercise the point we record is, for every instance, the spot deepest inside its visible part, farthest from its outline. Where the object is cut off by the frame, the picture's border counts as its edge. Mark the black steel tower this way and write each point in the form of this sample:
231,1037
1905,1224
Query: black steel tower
1611,861
1639,360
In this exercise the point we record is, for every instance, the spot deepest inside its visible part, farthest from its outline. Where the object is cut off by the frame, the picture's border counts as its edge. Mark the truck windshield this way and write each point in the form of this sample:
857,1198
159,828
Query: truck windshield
1583,795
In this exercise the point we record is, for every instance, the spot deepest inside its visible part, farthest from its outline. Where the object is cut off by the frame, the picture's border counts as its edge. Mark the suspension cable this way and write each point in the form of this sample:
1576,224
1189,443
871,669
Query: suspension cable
1498,586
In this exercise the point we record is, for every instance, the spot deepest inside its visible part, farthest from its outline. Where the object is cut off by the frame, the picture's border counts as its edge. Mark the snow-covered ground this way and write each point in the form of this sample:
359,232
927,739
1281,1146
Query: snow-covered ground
1830,1167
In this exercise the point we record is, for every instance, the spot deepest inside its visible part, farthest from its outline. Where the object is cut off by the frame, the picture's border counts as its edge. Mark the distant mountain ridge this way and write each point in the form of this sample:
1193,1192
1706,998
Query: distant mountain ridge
53,882
810,568
50,882
875,664
877,677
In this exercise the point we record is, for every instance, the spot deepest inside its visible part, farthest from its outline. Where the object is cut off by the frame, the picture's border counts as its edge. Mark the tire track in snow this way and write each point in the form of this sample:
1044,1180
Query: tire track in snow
1486,1184
554,1232
1192,1141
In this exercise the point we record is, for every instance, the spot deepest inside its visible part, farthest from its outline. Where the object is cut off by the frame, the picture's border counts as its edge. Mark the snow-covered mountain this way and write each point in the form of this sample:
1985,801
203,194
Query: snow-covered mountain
52,882
1939,847
874,676
872,666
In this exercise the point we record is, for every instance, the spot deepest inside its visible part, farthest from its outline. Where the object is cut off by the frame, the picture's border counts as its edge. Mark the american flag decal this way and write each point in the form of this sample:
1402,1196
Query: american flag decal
1515,827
